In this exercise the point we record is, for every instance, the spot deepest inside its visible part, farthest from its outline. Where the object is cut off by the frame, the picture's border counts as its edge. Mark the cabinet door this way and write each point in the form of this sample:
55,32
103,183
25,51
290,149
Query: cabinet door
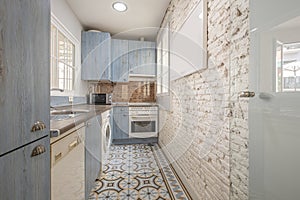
120,123
142,57
24,71
24,176
67,175
119,60
95,56
93,152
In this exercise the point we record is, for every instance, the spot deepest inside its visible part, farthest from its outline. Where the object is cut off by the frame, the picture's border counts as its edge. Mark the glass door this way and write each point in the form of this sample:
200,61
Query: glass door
274,114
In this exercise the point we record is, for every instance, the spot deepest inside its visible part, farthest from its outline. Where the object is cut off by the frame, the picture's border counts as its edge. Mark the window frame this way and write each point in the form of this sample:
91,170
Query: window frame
281,88
165,31
69,36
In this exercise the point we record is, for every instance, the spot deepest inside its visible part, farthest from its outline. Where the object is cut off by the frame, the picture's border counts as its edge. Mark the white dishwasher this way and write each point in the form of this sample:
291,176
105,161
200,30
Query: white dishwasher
67,166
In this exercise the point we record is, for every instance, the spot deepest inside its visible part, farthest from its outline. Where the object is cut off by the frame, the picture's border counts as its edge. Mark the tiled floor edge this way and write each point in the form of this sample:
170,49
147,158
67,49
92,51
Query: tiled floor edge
179,173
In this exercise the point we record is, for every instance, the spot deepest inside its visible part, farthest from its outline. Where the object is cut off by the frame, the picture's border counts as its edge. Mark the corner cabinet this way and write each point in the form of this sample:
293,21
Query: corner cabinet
132,58
24,99
142,58
120,123
119,60
95,56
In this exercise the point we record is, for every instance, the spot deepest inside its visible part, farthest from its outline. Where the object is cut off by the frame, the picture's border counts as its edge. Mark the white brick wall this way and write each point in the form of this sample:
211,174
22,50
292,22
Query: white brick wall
206,130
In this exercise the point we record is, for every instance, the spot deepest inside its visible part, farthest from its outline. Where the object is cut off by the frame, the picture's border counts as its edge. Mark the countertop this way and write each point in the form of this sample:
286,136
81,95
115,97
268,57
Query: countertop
93,110
142,104
65,125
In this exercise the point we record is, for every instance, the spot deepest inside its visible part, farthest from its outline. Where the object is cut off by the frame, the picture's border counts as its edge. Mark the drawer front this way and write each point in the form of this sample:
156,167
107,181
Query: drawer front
62,147
25,172
121,110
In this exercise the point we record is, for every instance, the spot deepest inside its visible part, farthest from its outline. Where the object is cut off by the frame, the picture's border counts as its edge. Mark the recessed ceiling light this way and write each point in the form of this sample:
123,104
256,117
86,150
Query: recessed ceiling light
119,6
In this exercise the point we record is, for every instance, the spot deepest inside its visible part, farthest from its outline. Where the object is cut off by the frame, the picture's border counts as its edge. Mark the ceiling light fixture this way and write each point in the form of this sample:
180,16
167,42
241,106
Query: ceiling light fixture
119,6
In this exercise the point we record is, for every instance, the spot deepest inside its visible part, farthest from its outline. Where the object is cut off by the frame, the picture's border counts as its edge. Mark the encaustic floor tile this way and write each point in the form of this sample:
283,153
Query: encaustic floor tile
137,172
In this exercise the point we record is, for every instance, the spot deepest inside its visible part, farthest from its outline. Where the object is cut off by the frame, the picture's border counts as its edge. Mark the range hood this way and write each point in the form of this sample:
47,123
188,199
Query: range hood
142,77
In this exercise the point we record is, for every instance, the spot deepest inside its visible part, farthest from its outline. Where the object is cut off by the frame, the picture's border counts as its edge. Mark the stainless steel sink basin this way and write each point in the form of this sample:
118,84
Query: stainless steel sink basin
68,112
58,115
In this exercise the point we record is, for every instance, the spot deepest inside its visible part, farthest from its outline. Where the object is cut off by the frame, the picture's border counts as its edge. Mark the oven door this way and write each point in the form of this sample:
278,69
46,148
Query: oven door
143,126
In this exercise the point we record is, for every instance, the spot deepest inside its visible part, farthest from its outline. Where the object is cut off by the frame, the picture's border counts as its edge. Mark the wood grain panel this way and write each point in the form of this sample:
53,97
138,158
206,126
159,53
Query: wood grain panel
26,177
25,68
119,59
142,57
95,56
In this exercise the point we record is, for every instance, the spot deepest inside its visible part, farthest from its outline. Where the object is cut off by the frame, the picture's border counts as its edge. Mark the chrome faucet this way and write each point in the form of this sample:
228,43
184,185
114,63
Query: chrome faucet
56,89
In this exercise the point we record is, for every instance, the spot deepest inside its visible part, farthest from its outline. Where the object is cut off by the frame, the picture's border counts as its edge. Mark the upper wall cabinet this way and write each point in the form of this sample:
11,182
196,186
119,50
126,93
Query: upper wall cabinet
95,56
142,58
119,60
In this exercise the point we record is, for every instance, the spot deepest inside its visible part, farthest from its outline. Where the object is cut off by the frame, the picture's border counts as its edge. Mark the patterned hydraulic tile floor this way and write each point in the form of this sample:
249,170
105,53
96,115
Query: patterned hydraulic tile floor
137,172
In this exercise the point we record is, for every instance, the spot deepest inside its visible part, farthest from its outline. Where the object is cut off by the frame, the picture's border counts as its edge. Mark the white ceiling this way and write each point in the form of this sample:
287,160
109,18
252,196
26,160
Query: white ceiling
293,23
141,19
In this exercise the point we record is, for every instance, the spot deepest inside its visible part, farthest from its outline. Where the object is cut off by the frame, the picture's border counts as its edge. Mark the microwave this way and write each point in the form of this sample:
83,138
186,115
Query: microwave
100,99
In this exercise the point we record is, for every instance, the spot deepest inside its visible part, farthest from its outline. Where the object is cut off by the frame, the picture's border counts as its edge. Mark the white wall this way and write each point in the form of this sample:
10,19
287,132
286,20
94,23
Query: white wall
63,13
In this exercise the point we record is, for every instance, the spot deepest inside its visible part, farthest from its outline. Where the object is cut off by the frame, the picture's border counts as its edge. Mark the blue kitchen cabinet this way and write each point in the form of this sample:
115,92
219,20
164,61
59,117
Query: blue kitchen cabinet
93,152
24,99
120,122
95,56
119,60
142,58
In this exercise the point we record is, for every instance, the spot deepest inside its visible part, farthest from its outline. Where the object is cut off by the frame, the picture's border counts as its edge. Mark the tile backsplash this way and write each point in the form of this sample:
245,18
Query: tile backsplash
133,91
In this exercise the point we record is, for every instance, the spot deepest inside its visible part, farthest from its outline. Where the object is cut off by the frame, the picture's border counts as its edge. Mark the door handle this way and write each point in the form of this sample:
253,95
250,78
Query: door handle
246,94
38,126
72,145
38,150
57,156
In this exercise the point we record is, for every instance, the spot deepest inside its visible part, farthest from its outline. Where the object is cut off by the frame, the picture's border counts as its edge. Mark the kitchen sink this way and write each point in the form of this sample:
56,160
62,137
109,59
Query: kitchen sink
68,112
58,115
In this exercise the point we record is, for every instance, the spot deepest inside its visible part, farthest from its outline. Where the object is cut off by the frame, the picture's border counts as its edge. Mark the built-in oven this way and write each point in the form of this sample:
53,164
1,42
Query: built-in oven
143,121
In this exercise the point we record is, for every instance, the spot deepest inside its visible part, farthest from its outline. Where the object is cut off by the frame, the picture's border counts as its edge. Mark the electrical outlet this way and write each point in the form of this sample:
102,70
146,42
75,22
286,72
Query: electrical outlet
71,99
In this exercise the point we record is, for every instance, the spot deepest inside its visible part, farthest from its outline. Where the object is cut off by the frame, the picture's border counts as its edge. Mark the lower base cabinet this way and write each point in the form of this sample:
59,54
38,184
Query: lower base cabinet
25,175
120,123
93,140
67,172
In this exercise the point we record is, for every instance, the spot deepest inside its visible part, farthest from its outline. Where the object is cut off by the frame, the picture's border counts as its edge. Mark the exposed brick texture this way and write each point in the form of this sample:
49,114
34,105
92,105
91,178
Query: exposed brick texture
206,129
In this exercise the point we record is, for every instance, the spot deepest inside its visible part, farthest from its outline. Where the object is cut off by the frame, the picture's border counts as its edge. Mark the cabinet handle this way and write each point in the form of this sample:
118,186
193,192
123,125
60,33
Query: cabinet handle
57,156
72,145
246,94
38,150
38,126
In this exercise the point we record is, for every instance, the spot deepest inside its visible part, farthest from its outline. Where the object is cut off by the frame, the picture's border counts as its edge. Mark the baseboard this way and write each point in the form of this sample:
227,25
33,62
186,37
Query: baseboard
135,141
180,173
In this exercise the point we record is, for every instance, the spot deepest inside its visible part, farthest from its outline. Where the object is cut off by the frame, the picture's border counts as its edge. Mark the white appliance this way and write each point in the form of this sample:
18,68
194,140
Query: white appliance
106,133
143,121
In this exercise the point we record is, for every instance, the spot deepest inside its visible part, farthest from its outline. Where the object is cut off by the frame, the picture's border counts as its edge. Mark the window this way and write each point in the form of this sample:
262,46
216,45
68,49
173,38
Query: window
287,67
62,60
163,66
